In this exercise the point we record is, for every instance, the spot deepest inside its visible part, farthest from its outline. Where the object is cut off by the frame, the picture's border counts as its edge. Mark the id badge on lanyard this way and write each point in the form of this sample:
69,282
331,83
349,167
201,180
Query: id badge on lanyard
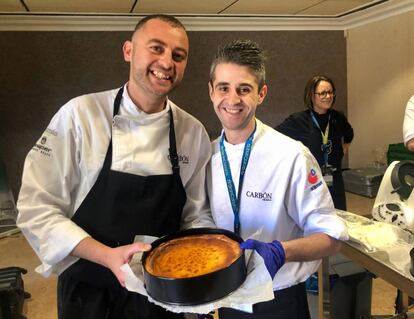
327,170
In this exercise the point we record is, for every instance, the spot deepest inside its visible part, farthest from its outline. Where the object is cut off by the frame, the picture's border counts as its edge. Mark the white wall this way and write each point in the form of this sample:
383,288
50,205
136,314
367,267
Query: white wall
380,61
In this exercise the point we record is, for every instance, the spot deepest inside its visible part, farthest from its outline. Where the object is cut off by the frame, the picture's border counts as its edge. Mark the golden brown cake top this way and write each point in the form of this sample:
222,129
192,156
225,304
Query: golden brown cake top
192,256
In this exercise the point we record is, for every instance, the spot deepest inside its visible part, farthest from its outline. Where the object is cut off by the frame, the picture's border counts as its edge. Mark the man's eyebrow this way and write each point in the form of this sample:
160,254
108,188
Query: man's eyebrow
241,85
160,42
246,84
238,85
221,84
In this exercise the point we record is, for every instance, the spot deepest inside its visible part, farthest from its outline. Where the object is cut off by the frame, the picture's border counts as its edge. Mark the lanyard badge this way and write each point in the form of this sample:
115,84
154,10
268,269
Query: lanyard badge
235,199
326,147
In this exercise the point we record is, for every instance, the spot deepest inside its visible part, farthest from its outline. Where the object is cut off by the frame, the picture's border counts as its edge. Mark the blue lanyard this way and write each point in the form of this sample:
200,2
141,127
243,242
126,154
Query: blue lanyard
235,200
325,144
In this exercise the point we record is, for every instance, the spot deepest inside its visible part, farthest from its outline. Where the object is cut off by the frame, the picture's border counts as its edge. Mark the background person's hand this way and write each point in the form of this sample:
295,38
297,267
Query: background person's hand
272,253
410,145
345,147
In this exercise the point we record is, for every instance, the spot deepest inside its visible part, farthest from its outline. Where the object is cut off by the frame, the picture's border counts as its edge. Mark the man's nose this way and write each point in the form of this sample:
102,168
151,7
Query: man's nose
233,97
166,60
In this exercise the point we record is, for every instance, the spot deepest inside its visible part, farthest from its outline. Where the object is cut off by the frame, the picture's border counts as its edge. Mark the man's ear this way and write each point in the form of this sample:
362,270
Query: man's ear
262,94
210,89
127,49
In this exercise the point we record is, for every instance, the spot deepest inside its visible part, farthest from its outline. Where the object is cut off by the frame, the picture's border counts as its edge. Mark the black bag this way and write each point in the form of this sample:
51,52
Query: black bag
12,293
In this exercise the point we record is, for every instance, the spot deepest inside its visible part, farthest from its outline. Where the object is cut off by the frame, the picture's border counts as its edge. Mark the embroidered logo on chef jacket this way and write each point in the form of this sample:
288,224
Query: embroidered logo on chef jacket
313,179
266,197
40,147
50,131
183,159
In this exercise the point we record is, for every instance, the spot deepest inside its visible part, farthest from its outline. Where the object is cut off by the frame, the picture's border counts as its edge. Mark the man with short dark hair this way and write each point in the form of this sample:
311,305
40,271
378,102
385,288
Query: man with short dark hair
262,181
112,165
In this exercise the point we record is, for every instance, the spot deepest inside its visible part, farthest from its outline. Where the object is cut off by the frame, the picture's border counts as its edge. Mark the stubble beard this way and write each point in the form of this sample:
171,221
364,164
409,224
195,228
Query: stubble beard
143,82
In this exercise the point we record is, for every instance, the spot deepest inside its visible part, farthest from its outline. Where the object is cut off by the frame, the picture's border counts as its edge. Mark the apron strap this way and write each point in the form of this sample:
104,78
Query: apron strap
173,147
117,101
108,158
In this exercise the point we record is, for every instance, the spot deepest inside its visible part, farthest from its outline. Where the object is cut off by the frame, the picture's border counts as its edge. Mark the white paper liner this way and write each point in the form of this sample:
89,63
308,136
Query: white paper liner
384,242
256,288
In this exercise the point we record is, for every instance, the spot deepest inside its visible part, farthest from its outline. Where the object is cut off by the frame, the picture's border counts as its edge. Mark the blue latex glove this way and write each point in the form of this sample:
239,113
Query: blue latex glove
272,253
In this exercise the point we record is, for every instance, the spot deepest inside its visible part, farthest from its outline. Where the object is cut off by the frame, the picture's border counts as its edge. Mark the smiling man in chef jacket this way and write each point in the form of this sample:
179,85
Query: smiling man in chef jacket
112,165
261,180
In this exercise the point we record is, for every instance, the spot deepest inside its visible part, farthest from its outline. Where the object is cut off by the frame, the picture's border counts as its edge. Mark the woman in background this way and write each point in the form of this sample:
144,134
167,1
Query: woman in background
325,131
328,134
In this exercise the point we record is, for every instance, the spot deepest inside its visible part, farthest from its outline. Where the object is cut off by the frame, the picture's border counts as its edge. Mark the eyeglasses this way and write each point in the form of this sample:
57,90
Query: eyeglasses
325,93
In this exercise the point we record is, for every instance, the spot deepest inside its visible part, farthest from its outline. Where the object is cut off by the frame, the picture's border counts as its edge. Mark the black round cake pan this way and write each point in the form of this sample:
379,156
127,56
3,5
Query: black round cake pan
195,290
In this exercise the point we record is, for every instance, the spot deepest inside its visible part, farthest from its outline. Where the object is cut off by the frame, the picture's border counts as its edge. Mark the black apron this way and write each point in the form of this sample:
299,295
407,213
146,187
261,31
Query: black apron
118,207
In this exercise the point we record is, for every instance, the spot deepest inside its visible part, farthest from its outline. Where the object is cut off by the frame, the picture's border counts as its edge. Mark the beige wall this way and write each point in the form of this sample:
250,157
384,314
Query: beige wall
380,61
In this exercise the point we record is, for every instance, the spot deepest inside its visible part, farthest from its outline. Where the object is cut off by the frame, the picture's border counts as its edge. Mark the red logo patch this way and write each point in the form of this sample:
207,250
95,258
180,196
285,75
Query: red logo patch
312,177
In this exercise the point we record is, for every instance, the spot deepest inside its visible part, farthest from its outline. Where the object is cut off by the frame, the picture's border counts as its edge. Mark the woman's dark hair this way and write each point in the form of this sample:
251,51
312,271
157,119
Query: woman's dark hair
311,86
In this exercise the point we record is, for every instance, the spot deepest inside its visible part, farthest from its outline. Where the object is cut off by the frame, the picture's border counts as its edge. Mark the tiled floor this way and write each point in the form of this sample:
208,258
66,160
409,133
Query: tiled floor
15,251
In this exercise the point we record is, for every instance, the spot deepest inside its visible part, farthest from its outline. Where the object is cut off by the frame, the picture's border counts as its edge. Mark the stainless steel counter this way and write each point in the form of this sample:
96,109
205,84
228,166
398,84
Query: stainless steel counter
400,280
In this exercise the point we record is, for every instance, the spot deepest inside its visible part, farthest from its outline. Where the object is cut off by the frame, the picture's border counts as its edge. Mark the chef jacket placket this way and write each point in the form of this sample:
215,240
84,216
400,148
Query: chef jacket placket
121,205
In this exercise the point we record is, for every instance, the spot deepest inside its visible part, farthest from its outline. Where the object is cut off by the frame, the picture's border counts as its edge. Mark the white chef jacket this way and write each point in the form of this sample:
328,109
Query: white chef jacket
283,195
408,126
65,162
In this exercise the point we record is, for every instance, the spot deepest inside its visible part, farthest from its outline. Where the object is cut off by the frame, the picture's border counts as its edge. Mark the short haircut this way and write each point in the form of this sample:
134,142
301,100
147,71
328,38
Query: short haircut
174,22
241,52
311,87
